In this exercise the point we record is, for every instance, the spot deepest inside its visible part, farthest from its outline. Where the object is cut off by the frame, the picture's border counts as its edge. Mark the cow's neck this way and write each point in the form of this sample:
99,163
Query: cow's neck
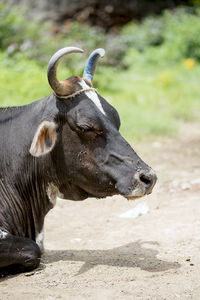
24,180
25,202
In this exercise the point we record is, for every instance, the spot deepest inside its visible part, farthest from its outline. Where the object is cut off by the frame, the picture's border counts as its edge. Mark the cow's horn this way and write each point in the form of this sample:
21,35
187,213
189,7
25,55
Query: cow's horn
60,87
91,63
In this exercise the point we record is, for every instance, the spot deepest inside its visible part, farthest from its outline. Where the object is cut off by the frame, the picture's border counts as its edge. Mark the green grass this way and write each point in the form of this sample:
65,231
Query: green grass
23,81
144,73
151,99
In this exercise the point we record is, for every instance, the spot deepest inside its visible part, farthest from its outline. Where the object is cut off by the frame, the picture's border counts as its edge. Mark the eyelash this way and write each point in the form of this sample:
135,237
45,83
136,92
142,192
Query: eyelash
85,128
89,129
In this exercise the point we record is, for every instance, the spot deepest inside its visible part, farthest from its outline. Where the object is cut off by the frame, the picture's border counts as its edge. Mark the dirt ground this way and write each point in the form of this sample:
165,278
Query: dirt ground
93,253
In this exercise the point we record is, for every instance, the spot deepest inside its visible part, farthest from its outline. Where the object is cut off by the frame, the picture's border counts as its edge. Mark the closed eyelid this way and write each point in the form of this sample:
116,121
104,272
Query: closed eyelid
84,124
89,125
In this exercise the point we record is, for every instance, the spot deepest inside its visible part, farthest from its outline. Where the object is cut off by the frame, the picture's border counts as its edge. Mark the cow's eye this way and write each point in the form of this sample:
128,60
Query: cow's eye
89,130
85,127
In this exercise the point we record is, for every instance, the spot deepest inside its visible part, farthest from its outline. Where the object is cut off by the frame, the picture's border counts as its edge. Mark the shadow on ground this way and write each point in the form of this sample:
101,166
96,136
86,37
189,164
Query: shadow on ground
132,255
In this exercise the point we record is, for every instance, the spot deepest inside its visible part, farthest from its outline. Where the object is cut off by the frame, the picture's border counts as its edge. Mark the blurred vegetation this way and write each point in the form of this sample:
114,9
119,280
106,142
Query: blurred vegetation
150,72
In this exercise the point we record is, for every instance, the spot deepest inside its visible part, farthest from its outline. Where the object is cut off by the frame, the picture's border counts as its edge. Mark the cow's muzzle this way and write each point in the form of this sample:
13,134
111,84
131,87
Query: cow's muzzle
144,182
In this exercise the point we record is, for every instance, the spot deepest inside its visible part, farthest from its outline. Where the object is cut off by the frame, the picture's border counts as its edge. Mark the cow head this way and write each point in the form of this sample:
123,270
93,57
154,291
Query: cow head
88,154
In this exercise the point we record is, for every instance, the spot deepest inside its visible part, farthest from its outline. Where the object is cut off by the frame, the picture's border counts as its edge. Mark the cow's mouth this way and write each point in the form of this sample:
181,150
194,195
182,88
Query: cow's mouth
138,192
131,197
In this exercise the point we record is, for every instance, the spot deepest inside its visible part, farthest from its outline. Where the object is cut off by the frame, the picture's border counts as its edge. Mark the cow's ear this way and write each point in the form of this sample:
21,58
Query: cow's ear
44,139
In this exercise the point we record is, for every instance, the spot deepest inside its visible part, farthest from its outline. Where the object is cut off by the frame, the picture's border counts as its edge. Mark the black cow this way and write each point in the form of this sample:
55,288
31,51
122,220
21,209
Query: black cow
67,144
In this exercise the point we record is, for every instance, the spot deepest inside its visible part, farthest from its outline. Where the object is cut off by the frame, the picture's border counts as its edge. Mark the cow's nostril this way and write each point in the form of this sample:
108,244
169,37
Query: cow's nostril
146,179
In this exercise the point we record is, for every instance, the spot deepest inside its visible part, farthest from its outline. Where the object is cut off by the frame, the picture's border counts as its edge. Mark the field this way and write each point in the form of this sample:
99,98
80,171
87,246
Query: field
150,72
93,253
151,100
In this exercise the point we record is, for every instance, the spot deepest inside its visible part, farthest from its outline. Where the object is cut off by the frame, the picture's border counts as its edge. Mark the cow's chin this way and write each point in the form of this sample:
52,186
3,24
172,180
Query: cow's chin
137,193
83,194
95,192
73,192
78,193
131,197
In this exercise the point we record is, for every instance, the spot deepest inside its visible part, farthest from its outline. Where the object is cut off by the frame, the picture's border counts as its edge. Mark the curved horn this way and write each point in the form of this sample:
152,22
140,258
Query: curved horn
91,63
60,87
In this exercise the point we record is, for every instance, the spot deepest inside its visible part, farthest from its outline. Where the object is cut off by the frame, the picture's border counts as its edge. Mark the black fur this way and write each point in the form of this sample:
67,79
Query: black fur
90,158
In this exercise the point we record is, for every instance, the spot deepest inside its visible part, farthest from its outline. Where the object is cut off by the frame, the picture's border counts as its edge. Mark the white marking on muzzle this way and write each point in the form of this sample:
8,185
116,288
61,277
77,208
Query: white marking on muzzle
140,189
93,96
39,240
3,234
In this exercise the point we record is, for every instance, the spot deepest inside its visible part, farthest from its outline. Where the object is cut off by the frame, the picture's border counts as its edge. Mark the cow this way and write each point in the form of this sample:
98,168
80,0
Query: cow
68,145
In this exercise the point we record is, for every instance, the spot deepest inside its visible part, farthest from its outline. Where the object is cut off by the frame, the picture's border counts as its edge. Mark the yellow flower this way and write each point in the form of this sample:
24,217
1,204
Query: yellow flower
189,63
166,78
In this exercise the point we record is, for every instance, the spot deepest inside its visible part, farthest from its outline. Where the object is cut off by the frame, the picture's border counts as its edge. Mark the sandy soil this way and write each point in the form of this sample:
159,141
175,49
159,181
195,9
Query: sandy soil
93,253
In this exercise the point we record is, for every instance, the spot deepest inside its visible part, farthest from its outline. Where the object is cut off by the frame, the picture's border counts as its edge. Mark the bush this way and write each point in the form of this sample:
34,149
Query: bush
150,72
174,36
182,33
20,38
15,29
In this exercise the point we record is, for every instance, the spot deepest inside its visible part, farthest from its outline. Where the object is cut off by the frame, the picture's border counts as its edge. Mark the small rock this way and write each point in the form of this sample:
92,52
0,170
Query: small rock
139,210
77,239
157,145
196,181
29,274
187,259
185,186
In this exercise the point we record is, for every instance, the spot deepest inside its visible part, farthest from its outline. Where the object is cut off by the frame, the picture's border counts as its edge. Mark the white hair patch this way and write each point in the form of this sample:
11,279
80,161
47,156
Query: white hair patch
93,96
3,234
53,192
39,240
